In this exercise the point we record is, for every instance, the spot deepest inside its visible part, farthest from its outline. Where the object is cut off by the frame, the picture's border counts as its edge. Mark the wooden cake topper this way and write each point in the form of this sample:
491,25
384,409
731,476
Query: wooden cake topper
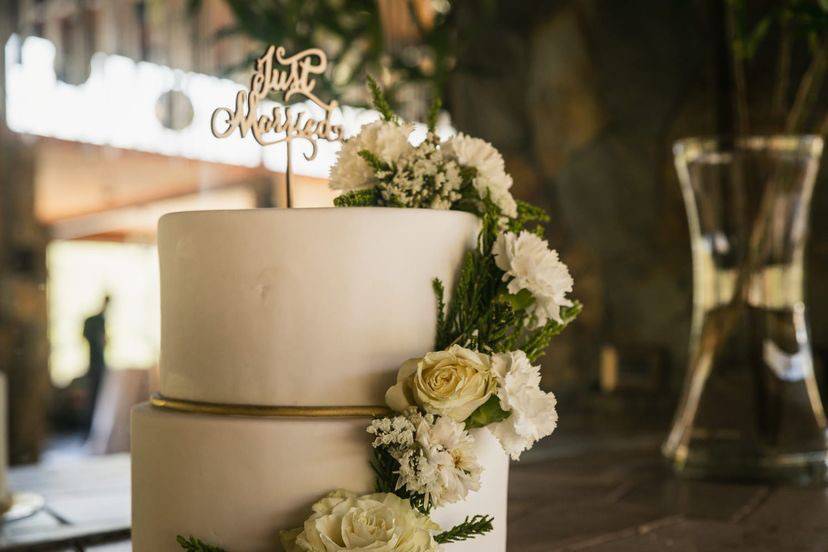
290,76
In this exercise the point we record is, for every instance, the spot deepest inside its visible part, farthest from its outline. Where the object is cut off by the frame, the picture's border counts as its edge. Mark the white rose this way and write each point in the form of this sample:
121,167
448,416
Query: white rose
532,414
344,521
452,383
530,264
386,140
491,171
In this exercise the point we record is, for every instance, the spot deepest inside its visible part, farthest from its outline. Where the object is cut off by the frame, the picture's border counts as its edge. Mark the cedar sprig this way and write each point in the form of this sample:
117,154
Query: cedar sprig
536,342
373,161
482,314
470,528
368,197
379,101
528,215
440,294
192,544
386,470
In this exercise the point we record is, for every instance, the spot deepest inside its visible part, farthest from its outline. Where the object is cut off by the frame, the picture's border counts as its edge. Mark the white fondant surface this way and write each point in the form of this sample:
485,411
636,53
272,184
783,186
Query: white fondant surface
491,499
303,306
234,481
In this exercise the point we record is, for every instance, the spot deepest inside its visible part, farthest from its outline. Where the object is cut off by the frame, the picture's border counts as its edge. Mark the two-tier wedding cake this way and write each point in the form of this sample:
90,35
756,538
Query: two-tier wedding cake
356,378
305,308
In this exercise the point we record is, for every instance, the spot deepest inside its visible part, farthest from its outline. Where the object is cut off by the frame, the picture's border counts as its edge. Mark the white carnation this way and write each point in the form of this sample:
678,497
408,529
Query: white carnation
532,414
529,264
439,463
387,140
491,175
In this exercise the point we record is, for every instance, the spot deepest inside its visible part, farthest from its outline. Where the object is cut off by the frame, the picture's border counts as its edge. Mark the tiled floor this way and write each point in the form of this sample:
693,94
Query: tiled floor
574,493
627,500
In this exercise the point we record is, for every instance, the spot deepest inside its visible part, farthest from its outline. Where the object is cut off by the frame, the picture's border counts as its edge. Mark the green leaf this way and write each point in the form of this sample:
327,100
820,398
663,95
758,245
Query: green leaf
193,544
470,528
756,37
488,413
520,300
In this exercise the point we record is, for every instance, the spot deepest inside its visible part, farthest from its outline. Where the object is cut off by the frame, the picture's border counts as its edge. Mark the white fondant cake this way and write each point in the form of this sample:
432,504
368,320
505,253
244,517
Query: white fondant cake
301,306
235,482
314,307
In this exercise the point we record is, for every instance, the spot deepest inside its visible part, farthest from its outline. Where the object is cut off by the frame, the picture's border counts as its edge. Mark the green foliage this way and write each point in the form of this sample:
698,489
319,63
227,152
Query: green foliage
470,528
440,295
193,544
799,30
358,198
488,413
375,162
482,314
385,468
528,215
536,342
379,101
353,34
386,471
520,300
808,18
434,113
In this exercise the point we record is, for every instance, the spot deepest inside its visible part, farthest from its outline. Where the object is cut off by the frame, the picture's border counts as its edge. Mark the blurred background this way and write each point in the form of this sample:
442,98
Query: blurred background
103,129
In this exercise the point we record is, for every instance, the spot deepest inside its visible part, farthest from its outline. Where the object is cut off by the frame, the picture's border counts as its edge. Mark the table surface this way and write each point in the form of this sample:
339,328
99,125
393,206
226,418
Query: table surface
576,494
87,503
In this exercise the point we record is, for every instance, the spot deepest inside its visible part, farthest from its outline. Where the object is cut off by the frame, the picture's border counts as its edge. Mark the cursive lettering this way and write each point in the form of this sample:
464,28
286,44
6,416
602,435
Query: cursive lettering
288,76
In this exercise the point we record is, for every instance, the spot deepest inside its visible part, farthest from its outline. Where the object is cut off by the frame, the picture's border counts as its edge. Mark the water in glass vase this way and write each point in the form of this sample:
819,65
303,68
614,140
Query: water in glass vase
750,406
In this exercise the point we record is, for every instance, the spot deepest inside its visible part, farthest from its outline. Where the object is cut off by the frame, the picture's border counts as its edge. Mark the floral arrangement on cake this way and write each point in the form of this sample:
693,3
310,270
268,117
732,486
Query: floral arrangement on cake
509,301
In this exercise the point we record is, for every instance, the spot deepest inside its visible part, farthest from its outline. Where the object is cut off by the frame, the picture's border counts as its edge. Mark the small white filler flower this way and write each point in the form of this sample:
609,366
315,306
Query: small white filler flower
438,463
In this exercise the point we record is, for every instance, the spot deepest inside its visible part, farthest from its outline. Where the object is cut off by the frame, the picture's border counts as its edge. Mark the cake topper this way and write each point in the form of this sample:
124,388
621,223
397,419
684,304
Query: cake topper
292,78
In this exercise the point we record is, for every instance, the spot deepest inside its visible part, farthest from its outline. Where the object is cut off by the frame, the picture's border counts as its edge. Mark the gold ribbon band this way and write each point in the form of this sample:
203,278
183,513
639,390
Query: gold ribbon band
263,411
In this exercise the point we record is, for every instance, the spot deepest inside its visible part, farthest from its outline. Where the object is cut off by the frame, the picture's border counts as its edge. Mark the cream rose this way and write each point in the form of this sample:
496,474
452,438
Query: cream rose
452,383
379,522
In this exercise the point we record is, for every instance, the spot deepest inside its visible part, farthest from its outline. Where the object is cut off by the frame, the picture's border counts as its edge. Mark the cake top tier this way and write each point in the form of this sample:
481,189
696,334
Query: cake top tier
310,307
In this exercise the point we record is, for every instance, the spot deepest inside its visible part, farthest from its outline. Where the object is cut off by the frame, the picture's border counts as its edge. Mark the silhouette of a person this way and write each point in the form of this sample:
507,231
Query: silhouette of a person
94,331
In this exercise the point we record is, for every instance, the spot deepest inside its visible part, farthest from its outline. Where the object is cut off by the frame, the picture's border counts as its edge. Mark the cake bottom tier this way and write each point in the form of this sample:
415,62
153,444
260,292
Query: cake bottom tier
235,481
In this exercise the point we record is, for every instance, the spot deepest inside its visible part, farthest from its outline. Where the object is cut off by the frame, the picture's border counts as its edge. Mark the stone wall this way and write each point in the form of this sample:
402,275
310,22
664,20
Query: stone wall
585,99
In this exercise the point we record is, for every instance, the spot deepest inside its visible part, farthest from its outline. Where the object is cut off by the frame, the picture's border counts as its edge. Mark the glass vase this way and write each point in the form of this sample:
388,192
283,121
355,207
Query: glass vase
750,407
